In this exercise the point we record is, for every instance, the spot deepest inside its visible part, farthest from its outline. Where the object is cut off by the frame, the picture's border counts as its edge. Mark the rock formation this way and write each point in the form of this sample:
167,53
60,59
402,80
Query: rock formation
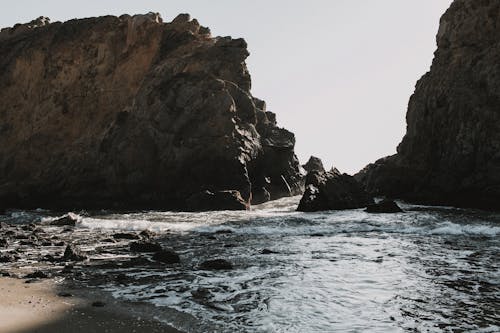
332,191
314,164
132,112
451,151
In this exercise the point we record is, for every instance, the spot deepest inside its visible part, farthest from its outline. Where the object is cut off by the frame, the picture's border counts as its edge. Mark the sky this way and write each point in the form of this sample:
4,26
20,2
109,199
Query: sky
338,73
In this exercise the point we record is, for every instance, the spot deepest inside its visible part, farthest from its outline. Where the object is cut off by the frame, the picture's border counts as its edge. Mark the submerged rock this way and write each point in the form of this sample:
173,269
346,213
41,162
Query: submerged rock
451,151
145,246
385,206
216,264
132,112
167,257
222,200
126,235
332,191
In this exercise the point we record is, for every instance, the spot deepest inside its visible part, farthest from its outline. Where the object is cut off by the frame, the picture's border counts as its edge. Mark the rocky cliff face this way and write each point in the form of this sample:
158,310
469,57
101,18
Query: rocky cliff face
134,112
451,151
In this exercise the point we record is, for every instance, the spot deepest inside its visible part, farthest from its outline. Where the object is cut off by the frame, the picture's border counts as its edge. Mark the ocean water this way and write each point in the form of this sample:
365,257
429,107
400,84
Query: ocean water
429,269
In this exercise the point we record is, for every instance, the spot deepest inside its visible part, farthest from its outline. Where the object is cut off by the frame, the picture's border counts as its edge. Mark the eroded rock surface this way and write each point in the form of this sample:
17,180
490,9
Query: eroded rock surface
451,151
133,112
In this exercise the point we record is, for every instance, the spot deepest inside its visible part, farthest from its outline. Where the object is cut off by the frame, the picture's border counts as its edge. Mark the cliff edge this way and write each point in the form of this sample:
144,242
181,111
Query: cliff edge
451,151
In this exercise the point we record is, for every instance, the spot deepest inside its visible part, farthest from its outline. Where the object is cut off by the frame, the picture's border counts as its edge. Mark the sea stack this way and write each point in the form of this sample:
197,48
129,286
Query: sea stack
451,151
132,112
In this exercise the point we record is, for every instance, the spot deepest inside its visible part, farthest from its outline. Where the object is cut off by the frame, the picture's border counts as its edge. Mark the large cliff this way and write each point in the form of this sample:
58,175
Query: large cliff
451,151
133,112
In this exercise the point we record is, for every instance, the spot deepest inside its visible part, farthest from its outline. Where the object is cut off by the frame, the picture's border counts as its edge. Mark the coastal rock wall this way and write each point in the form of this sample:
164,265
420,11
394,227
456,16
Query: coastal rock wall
133,112
451,151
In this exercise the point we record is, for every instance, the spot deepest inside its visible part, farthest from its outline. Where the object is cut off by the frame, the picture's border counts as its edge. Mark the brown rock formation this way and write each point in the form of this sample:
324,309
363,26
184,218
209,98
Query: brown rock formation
132,112
451,151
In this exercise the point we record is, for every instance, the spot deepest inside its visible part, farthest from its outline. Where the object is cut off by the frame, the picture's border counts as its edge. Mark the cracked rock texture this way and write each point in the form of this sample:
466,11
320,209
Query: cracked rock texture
132,112
451,151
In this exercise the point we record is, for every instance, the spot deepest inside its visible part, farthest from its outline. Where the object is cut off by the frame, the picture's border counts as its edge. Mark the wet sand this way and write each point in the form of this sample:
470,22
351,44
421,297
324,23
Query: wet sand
39,307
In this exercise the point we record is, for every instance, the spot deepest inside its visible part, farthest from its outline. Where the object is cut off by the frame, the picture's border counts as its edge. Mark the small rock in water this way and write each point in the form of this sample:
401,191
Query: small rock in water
201,293
267,251
147,234
64,294
385,206
125,235
224,231
145,247
37,275
67,269
6,258
69,219
98,304
216,264
167,257
73,254
4,242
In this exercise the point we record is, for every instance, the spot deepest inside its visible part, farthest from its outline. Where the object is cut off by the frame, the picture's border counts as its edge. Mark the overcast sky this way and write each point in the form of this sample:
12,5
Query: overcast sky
338,73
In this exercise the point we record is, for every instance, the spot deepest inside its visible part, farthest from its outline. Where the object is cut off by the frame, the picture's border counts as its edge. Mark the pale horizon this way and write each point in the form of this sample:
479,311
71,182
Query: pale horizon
338,74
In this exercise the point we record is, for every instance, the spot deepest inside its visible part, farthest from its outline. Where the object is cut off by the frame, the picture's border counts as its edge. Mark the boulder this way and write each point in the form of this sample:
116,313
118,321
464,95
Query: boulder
216,264
144,246
385,206
221,200
133,112
332,191
314,164
73,253
450,154
167,257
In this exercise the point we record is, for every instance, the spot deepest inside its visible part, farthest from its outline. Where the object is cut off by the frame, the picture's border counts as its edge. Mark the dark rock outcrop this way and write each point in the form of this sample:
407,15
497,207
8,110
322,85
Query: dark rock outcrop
332,191
132,112
314,164
451,151
385,206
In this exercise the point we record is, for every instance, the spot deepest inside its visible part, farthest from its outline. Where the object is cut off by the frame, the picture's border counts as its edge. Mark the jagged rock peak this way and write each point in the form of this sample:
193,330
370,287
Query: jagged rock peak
314,164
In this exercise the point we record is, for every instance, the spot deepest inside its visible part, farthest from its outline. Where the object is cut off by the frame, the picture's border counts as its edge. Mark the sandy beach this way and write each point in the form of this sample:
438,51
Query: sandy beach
48,306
